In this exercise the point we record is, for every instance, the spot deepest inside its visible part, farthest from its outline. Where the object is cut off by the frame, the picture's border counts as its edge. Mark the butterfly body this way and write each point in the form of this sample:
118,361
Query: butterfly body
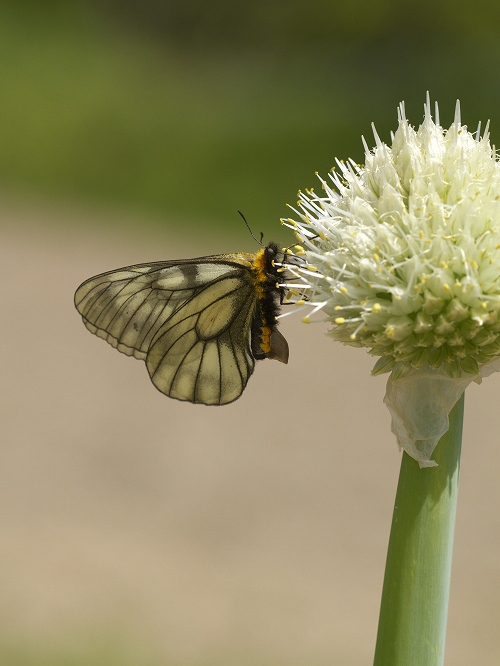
199,324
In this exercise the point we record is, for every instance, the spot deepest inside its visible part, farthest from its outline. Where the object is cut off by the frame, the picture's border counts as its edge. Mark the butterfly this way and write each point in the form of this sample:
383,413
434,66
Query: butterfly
199,324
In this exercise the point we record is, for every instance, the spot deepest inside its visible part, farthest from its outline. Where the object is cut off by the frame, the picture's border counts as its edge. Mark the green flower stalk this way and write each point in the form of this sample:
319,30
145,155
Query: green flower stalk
404,259
414,608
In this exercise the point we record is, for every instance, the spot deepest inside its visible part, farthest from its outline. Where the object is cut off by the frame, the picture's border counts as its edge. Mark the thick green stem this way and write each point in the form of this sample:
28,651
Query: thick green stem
414,608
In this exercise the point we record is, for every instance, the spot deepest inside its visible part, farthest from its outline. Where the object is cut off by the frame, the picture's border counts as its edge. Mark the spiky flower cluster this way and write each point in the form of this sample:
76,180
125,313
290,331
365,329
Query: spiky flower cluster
406,249
403,255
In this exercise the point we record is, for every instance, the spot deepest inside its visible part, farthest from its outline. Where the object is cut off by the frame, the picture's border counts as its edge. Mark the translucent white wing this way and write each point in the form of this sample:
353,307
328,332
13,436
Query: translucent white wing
190,321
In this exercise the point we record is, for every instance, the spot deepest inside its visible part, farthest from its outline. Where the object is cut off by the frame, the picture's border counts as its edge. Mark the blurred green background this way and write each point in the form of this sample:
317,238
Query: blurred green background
160,120
195,109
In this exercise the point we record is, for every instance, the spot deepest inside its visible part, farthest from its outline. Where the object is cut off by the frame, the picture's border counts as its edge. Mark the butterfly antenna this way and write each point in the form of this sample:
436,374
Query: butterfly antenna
251,232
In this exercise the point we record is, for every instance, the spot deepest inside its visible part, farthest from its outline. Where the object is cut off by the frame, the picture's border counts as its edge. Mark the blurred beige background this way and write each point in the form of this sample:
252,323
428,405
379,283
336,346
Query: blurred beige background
156,532
136,530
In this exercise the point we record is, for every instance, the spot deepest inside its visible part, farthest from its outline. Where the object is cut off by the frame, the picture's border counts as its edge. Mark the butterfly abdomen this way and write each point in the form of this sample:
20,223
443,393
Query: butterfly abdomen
266,342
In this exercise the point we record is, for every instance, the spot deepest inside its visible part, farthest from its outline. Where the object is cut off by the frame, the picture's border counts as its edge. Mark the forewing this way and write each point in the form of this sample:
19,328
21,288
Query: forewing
128,307
202,352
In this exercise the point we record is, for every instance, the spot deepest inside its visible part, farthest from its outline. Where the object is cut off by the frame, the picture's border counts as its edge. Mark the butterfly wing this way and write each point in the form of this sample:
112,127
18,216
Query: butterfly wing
188,320
202,352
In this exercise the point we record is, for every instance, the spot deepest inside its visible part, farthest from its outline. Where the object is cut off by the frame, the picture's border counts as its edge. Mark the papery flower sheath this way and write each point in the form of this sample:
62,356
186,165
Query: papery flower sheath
404,257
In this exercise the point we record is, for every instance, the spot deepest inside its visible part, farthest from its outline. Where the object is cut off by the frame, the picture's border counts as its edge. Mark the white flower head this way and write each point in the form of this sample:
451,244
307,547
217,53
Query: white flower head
406,257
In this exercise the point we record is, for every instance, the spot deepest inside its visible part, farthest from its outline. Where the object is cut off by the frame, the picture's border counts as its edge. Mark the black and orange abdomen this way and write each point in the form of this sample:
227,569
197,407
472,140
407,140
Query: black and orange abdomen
266,341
